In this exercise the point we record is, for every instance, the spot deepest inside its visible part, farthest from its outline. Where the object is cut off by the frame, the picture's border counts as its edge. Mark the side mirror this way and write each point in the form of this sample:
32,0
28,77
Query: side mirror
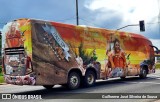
157,50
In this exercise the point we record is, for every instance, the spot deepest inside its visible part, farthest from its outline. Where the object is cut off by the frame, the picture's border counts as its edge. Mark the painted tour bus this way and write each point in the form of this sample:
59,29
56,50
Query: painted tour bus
37,52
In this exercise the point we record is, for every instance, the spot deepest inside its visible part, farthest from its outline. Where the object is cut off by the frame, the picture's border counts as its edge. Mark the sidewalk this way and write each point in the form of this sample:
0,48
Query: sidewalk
158,70
157,101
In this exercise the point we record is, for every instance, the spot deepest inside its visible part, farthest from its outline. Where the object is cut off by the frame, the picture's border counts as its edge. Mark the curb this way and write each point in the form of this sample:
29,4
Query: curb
157,101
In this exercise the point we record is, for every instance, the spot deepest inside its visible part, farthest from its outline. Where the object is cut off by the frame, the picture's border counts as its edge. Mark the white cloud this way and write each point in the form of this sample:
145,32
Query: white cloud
133,10
118,13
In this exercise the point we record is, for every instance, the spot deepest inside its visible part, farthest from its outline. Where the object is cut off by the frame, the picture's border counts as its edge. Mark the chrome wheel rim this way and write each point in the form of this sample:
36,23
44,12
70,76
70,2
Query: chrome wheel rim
90,79
74,81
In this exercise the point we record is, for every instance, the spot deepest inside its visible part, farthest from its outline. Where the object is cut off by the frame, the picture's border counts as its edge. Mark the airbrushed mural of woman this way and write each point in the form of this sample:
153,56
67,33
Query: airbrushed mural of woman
13,37
116,60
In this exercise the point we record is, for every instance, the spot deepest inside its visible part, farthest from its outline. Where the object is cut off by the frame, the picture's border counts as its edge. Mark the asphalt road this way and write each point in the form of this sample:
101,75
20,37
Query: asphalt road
61,94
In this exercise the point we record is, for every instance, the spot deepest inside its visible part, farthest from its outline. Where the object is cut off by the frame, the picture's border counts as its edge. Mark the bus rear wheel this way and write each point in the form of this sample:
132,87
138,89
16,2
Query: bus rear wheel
89,79
73,80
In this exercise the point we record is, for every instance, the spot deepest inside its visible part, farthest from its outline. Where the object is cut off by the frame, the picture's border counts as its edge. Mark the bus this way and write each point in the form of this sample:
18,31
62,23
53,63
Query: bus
39,52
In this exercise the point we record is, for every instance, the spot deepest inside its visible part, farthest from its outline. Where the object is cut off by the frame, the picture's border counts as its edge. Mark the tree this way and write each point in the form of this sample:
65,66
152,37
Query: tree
0,43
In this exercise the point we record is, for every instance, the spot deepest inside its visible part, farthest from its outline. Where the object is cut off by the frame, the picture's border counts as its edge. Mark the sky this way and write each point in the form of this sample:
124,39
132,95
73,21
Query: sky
109,14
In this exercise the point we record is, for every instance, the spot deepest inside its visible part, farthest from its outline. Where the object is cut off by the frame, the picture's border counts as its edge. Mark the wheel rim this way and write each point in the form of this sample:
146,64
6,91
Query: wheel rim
90,79
144,73
74,81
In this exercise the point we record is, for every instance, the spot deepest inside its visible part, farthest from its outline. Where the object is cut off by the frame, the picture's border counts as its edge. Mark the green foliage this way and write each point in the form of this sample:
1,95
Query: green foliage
157,65
0,69
83,54
158,58
0,44
1,79
1,76
87,57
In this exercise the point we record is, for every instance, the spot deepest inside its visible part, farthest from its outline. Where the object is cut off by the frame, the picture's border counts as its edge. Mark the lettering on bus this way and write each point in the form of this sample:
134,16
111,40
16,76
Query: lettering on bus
52,31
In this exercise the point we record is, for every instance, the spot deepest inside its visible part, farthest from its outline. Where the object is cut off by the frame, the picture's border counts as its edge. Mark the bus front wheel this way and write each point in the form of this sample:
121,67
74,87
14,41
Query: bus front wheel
143,73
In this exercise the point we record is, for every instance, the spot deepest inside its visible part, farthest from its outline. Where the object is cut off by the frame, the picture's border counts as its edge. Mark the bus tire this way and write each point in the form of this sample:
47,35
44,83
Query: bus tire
73,80
48,86
143,73
89,79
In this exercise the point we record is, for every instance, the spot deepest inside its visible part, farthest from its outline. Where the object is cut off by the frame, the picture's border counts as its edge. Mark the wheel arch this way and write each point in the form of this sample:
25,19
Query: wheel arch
77,70
146,68
94,70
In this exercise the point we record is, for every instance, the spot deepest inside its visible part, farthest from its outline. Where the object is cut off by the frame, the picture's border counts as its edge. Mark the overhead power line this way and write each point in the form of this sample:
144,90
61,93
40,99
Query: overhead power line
153,23
62,20
91,23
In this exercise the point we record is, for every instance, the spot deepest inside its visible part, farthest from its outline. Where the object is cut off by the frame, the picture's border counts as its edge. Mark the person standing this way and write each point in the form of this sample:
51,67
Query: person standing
117,60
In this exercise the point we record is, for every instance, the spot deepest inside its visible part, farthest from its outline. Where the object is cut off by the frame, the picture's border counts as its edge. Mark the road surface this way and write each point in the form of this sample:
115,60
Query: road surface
129,85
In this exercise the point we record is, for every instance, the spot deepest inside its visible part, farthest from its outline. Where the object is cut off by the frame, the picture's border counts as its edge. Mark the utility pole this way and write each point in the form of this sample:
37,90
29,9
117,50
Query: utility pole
77,18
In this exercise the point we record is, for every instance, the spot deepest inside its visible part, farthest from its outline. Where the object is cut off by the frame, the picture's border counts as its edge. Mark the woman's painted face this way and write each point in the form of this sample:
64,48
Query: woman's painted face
13,29
117,46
